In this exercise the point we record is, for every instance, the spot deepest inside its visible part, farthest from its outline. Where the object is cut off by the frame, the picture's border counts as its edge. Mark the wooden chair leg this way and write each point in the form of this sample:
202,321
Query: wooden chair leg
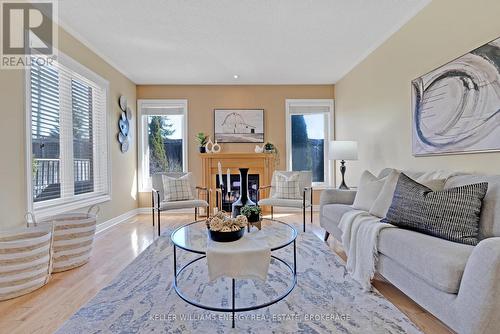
327,234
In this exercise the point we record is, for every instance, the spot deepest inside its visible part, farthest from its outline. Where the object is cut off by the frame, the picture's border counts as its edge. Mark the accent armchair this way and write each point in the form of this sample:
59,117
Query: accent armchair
158,197
305,185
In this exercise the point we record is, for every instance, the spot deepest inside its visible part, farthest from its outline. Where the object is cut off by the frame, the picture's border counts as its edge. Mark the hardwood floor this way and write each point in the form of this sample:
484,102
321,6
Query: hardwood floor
46,309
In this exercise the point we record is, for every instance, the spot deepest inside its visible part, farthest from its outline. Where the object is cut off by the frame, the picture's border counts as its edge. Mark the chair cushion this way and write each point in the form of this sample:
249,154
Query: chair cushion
305,180
290,203
193,203
177,189
438,262
287,187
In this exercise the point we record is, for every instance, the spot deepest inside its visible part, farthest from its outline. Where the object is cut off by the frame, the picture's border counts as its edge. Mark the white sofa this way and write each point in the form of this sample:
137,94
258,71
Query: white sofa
459,284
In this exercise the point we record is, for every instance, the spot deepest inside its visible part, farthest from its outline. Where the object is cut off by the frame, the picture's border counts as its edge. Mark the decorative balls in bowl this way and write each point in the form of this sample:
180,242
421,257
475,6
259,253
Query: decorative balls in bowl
223,228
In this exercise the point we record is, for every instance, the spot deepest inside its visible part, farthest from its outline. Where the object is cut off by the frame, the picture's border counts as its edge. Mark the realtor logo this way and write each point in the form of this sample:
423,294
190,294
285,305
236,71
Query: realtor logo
29,33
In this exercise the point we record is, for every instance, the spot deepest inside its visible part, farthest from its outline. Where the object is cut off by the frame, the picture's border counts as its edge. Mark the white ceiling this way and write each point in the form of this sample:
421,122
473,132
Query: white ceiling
208,41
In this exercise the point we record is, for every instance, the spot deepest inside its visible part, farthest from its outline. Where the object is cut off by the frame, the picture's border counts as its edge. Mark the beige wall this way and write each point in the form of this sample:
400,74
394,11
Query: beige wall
13,201
373,100
203,99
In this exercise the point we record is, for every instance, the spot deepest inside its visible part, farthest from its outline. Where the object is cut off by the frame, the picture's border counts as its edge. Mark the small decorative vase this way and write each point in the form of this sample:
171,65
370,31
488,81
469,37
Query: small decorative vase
209,145
216,147
259,149
244,198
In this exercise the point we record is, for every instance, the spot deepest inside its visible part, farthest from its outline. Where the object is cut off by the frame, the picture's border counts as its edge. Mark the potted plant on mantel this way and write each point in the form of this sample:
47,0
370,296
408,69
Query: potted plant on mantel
272,149
202,140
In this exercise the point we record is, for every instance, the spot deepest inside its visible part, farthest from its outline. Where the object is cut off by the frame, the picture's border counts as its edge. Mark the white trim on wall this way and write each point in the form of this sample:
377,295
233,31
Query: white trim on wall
145,185
329,131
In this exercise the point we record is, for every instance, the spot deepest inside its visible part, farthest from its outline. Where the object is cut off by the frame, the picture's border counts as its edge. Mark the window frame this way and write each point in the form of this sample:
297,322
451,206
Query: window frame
145,182
55,206
329,133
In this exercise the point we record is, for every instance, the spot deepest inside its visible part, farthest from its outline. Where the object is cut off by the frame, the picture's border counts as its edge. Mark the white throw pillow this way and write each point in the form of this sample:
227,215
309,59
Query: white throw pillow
287,187
177,189
368,190
383,202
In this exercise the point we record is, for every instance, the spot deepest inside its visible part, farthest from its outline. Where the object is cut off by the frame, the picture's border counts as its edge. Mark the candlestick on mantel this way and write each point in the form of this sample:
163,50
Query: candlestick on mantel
221,181
228,181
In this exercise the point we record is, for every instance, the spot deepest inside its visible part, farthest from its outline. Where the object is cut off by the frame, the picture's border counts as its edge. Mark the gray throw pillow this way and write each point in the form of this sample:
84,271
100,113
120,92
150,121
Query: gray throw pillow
452,214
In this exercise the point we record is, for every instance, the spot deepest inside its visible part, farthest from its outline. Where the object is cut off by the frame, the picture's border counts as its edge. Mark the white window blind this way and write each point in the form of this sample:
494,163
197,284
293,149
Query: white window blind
69,151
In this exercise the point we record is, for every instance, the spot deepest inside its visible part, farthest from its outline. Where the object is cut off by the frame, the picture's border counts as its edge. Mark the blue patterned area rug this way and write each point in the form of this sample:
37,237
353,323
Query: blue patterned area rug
141,299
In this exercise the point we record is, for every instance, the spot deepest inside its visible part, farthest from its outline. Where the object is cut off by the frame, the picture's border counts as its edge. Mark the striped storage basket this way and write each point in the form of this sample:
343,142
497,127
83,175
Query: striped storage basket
73,238
25,260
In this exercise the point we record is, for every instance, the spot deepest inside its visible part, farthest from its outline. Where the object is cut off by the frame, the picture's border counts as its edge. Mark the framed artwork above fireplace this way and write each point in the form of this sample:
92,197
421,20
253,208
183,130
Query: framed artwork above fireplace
239,125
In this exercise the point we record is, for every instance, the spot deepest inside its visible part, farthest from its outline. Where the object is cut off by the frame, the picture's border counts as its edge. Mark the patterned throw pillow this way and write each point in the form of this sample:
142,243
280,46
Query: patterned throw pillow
177,189
452,214
287,187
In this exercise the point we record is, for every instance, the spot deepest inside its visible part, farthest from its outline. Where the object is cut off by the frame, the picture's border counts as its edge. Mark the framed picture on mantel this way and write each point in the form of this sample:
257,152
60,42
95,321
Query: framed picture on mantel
239,125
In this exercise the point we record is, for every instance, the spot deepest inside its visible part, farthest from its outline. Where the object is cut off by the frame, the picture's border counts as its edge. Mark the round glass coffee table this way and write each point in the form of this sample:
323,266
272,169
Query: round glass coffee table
193,238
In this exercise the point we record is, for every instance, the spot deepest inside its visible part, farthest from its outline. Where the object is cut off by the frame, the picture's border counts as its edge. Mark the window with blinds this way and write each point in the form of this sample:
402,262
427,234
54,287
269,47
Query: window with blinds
309,127
67,109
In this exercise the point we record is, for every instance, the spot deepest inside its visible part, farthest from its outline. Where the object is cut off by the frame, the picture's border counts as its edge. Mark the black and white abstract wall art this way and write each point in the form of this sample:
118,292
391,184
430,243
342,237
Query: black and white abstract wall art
239,125
456,107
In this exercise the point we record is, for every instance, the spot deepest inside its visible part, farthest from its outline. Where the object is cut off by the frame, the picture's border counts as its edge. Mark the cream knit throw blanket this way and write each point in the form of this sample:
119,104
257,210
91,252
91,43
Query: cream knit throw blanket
360,232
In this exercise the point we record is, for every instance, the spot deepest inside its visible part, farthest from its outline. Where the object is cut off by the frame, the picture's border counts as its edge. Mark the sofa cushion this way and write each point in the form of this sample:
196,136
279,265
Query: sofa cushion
489,224
438,262
452,214
368,190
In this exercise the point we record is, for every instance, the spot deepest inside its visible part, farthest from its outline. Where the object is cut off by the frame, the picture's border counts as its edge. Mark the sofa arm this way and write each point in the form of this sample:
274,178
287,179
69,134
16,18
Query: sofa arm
337,196
478,301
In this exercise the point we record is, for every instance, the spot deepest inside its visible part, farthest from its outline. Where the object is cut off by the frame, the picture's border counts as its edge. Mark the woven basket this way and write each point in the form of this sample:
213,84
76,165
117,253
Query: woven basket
73,238
25,260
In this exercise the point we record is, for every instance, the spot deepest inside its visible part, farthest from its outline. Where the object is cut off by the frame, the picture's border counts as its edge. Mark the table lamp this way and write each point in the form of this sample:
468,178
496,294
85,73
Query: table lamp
343,150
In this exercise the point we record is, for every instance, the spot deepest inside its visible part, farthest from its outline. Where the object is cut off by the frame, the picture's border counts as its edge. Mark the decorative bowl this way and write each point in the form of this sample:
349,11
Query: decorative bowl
226,236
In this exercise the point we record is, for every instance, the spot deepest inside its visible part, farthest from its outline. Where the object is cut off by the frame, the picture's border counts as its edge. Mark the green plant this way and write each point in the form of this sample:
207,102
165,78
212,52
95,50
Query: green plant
271,148
201,138
249,210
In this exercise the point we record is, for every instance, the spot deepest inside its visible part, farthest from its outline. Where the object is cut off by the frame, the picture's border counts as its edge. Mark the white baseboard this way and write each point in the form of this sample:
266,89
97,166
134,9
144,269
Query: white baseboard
116,220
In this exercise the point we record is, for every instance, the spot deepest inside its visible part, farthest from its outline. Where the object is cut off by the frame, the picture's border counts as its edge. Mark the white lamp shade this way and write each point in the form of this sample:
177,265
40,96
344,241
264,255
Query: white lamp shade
343,150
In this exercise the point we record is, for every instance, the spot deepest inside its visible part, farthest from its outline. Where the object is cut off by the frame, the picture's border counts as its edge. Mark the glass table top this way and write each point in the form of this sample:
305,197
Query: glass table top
194,236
